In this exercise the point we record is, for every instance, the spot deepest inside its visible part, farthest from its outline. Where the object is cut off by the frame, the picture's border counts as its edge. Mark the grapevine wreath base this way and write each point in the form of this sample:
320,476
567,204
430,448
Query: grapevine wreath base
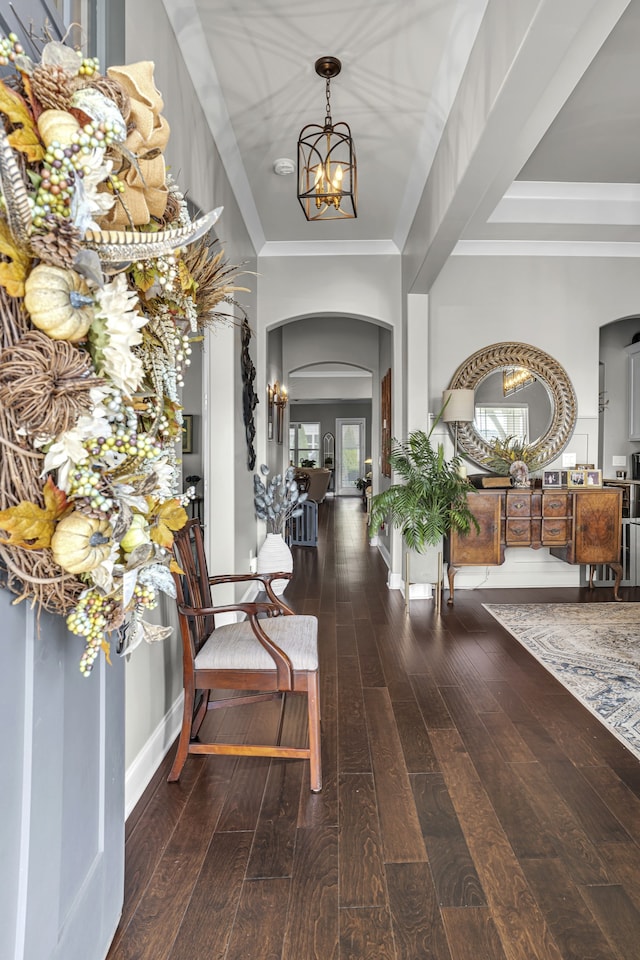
105,281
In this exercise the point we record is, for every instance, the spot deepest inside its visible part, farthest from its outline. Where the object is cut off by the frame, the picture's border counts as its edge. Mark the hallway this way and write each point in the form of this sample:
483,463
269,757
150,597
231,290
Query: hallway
472,810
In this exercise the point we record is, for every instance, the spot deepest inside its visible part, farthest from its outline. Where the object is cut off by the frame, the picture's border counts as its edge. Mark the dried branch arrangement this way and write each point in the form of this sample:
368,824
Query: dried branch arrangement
104,283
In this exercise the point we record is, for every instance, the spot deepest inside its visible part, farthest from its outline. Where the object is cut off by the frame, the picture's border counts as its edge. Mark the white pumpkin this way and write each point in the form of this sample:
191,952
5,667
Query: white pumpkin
59,302
57,126
80,543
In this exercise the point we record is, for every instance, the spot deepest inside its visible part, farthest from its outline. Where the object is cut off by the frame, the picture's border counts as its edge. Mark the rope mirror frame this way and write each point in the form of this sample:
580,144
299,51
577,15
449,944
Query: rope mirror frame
555,378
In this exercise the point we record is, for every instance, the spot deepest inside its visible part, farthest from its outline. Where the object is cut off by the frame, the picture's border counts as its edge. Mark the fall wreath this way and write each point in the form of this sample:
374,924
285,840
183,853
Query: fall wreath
105,281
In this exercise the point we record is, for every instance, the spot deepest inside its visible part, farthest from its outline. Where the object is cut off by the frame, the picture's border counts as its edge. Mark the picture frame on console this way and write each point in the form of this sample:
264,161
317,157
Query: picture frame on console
576,478
552,478
594,478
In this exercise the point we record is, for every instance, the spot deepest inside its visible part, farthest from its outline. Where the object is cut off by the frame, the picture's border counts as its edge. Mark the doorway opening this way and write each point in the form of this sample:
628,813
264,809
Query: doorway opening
350,455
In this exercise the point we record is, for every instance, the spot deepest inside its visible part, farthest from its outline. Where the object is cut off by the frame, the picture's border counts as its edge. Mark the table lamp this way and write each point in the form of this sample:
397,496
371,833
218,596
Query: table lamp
458,407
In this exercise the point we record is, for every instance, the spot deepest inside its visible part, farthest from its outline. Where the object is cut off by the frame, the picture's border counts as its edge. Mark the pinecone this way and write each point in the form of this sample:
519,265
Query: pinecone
83,505
53,87
59,246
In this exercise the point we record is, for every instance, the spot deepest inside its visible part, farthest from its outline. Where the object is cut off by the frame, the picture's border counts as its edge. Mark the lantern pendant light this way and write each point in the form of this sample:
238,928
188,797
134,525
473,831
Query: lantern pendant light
327,174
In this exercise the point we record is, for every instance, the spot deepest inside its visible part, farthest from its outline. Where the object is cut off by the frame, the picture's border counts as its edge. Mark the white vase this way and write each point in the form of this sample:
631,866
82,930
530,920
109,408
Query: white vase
274,556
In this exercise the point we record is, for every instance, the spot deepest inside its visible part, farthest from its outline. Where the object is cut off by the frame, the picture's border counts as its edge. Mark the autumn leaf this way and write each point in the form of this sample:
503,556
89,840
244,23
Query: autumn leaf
165,518
36,108
188,284
174,567
31,526
144,276
105,646
24,137
14,274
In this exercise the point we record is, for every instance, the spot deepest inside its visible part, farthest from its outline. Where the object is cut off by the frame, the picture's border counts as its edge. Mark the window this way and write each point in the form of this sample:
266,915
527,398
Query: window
304,443
494,422
80,19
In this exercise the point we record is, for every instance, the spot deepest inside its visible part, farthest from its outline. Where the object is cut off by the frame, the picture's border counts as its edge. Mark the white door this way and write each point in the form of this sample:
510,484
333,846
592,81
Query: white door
349,456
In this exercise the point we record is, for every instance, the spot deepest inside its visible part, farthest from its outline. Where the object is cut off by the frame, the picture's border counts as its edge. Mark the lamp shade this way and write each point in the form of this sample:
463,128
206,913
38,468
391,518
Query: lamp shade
459,406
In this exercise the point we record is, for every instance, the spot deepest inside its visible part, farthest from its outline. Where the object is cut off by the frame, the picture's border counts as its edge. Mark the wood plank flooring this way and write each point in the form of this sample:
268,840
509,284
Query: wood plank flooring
471,810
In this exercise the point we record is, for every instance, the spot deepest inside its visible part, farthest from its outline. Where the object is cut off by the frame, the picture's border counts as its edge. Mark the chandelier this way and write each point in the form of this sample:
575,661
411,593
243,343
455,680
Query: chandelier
327,175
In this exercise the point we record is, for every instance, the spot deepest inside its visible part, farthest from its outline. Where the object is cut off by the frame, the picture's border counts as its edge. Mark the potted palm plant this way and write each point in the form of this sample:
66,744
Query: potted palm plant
428,502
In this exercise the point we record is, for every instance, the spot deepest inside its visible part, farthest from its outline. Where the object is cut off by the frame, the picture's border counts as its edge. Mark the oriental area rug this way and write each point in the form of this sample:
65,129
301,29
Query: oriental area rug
593,649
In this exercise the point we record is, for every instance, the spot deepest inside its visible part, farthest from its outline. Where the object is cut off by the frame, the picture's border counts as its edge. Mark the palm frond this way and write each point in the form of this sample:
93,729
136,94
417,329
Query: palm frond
431,500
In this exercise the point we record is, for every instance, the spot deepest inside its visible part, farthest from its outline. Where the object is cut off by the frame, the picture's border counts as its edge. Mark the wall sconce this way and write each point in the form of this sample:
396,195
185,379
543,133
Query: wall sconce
270,395
277,398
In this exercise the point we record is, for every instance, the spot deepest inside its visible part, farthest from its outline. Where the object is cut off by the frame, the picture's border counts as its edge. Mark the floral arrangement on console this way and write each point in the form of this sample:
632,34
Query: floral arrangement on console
512,457
277,500
104,282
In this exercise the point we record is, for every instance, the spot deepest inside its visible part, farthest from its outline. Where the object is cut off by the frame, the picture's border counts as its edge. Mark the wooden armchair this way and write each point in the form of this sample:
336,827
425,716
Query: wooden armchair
272,652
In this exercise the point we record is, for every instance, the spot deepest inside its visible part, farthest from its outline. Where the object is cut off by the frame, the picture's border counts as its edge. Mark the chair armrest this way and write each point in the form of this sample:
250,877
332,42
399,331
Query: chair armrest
240,577
265,578
252,610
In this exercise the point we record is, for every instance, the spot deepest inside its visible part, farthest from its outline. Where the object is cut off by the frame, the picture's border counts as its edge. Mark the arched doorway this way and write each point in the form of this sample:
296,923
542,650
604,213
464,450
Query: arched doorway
332,367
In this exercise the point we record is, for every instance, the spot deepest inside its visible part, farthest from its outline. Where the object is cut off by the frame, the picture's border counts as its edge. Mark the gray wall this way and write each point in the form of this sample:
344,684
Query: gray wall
327,413
213,393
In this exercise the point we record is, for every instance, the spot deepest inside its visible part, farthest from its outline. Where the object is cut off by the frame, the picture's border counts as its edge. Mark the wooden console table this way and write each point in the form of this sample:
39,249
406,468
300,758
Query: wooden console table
579,527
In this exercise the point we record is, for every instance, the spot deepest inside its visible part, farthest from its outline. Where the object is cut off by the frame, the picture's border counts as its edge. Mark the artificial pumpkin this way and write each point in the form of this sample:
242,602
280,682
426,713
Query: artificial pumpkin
136,535
57,126
81,543
59,302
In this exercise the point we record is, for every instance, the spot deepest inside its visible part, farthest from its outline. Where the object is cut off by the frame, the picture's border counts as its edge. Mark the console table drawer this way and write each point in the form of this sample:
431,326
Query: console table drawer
518,504
518,532
555,531
555,505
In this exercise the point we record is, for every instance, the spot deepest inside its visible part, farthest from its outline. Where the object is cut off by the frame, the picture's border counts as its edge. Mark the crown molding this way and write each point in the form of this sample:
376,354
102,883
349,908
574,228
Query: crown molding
528,201
329,248
545,248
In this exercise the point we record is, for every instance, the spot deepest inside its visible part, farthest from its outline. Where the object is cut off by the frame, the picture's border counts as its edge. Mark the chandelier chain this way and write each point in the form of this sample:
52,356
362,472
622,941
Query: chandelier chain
327,119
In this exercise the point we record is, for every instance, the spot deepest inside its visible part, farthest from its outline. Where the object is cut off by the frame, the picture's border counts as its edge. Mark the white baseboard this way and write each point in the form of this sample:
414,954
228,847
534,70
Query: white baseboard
395,581
473,578
140,772
420,591
417,591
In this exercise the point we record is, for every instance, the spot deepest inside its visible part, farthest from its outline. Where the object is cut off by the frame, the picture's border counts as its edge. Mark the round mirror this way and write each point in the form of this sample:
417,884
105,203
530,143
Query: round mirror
523,388
513,401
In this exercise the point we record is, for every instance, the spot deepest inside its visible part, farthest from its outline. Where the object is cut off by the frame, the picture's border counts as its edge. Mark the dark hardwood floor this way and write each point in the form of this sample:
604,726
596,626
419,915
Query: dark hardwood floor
471,810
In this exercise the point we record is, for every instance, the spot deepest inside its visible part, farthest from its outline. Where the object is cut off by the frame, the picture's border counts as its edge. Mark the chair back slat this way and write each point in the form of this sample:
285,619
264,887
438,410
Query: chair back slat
192,586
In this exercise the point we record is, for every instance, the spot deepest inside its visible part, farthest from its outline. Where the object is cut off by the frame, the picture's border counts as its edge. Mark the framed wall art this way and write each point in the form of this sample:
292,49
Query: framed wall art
187,433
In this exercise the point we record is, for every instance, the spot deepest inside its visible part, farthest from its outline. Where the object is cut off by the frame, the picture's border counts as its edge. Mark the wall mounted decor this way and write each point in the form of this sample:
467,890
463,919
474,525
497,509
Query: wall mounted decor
385,415
553,382
249,396
187,433
95,310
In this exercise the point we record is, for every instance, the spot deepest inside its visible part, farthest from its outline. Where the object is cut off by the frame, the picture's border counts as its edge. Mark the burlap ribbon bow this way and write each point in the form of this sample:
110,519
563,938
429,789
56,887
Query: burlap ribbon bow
145,193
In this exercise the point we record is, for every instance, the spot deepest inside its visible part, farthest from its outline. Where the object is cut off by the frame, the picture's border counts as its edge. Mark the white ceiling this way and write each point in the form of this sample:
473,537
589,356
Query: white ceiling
566,176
